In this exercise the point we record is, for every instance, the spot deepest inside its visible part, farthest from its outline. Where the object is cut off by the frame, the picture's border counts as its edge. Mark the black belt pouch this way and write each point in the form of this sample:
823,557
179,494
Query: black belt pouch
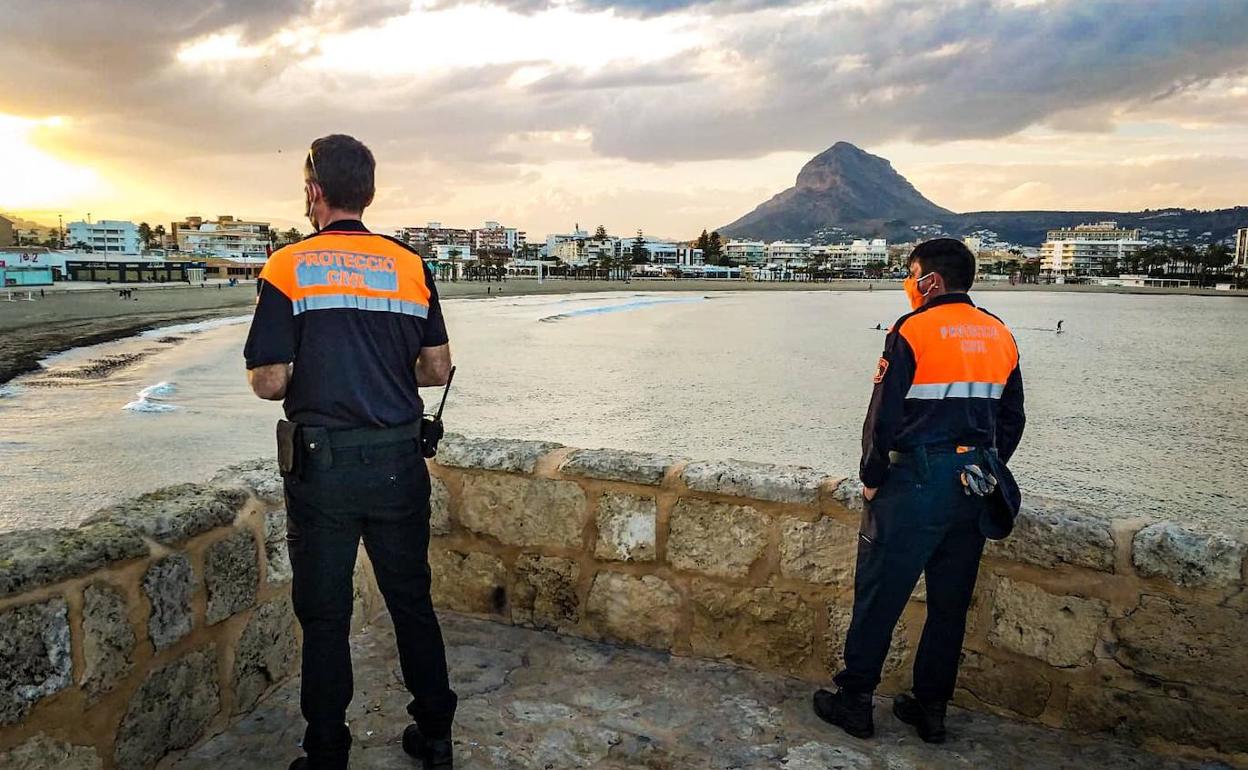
288,447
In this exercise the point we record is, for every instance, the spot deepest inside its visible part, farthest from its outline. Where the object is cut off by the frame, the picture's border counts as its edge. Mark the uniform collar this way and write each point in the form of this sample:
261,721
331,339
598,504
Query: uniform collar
951,298
345,226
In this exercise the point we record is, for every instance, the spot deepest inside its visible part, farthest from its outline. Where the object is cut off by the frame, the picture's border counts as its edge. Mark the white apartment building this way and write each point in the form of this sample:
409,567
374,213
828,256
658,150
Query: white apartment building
226,238
746,252
108,236
786,254
579,252
665,252
856,255
495,236
1091,249
1241,248
554,239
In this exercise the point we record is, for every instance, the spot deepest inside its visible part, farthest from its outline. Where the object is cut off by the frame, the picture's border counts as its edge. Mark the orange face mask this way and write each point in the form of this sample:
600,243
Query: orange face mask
911,287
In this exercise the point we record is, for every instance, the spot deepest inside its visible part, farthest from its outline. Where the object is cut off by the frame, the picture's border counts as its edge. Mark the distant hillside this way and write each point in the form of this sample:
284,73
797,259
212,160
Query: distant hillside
842,186
24,224
847,189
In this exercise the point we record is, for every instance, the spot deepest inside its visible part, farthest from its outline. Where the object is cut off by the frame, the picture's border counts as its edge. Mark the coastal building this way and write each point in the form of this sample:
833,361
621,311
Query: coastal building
8,236
660,252
746,252
107,236
1241,248
1091,249
223,238
554,239
580,252
858,254
434,234
496,238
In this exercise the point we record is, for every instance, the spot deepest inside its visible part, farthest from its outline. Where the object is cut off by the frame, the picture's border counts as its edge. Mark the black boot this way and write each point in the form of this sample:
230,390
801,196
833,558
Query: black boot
328,747
850,711
928,718
434,753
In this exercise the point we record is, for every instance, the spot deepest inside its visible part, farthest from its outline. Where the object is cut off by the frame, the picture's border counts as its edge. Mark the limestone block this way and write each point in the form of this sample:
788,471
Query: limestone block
231,572
266,652
544,592
35,659
839,618
1188,718
626,527
468,582
618,465
439,507
760,481
30,558
524,511
762,627
1188,556
1048,533
823,551
1009,686
107,639
260,476
42,752
1185,642
849,494
170,710
715,538
168,585
174,514
634,610
492,454
276,550
1060,630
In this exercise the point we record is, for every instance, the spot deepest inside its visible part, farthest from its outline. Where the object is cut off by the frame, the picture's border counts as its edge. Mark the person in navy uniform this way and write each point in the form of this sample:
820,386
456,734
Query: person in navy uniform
946,414
347,326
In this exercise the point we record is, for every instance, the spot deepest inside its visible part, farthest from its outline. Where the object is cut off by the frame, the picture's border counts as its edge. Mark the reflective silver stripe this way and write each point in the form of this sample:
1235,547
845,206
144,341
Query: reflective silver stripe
357,302
938,390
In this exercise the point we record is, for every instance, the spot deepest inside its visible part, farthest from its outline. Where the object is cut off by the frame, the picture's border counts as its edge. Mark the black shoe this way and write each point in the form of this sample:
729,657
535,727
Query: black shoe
928,718
436,754
850,711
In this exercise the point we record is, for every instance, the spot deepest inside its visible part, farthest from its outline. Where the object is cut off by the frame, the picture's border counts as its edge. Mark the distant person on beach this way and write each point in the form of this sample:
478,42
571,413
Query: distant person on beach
946,414
347,327
1059,326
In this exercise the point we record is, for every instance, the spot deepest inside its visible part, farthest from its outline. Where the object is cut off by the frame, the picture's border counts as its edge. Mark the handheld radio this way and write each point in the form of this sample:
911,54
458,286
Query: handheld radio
431,428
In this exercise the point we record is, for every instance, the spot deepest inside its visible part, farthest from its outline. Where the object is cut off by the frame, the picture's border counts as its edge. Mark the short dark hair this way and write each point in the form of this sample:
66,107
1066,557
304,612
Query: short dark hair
343,167
949,257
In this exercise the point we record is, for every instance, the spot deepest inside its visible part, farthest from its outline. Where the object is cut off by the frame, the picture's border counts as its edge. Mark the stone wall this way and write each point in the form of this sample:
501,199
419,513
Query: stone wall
148,628
1080,621
158,621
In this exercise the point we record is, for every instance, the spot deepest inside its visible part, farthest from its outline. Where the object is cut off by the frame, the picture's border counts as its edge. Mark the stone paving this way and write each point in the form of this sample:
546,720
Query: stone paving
531,699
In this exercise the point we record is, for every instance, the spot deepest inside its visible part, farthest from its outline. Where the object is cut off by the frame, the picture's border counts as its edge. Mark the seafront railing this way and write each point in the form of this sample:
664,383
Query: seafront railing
160,620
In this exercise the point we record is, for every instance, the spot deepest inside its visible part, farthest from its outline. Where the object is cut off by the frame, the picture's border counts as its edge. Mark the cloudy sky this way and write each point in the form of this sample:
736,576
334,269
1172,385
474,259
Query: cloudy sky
670,115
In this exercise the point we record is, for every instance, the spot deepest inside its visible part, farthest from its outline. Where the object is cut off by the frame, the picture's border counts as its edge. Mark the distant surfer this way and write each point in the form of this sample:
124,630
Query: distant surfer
1059,326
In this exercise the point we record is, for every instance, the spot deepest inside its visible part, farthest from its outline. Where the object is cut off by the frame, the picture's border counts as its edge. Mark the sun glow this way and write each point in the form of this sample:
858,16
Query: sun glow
33,178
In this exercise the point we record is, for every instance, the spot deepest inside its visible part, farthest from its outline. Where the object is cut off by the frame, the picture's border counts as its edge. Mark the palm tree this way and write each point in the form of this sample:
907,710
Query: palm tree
145,234
454,255
159,233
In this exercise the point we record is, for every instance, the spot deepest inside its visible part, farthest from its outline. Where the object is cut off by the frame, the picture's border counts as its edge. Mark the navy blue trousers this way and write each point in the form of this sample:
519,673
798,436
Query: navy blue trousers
381,495
920,522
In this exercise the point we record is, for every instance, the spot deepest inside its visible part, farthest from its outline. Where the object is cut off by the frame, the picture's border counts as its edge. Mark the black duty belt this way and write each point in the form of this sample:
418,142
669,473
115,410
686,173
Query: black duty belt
897,457
362,437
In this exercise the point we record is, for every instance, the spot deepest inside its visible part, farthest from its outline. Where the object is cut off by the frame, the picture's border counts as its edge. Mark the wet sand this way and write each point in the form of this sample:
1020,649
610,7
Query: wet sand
67,318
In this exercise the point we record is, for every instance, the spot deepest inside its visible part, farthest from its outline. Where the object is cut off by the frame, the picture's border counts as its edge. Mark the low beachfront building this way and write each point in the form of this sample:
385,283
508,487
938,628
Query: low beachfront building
107,236
1091,249
745,252
859,254
8,235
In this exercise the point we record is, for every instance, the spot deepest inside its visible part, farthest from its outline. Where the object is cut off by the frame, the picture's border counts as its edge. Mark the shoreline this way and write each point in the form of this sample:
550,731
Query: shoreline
71,318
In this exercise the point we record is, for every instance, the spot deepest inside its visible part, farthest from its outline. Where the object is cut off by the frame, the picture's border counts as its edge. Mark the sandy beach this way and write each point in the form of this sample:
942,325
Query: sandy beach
67,317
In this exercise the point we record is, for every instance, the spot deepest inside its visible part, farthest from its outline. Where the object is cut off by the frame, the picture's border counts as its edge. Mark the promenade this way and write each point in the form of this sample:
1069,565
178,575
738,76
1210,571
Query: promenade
532,700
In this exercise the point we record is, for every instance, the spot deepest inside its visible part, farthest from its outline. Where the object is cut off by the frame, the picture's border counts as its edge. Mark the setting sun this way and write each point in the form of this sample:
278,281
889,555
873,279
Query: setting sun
37,178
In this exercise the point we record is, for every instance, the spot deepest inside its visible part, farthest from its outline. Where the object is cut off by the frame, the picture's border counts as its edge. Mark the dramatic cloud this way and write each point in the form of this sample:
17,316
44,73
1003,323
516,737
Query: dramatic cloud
471,98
